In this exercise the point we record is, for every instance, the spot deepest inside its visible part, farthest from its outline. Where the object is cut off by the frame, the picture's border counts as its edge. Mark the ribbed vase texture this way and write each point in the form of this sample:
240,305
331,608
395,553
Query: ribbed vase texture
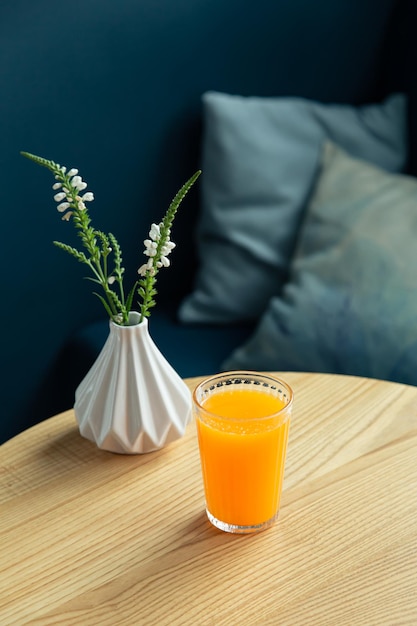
132,401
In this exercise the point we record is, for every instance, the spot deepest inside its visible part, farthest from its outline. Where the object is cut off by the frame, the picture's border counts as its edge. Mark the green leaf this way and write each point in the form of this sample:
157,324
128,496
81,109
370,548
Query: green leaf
130,298
104,303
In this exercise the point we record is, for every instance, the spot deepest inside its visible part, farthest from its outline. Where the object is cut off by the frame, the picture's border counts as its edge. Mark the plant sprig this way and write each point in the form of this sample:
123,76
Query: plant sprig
99,246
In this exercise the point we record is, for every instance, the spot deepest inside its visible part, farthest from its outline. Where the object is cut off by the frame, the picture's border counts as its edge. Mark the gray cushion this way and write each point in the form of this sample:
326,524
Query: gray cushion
350,305
260,160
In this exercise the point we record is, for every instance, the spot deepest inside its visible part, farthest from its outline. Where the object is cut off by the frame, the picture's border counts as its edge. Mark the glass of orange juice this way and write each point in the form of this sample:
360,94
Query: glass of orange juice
243,422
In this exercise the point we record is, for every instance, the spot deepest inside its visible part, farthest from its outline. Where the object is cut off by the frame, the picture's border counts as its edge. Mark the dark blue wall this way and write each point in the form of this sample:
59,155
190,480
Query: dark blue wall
114,88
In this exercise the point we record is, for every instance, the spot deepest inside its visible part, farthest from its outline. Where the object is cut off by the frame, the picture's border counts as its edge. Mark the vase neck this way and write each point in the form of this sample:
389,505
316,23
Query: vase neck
134,320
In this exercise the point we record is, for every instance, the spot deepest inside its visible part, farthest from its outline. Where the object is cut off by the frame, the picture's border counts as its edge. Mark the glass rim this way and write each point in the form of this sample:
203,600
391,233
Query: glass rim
243,374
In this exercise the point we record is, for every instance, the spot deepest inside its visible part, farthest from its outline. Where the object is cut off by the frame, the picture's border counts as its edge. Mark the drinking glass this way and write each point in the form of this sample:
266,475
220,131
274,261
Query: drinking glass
243,423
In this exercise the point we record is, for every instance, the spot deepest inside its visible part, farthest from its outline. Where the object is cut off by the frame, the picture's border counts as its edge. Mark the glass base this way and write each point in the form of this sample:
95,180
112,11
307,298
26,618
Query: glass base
242,530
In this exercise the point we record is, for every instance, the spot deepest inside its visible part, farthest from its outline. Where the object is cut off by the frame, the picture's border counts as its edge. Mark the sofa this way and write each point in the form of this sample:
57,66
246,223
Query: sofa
302,117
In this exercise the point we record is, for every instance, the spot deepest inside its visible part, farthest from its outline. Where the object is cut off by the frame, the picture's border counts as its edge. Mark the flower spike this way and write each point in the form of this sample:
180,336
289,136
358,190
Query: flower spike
99,247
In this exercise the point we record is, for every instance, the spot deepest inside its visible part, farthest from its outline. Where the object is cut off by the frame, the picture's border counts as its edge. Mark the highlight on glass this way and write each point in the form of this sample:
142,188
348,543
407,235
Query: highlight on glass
243,421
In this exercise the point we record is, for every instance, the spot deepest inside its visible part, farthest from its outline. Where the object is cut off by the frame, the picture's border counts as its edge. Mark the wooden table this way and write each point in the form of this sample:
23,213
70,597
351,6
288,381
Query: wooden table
92,538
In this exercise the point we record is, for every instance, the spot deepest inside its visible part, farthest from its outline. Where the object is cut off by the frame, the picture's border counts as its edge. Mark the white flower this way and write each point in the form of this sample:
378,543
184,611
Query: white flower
63,206
57,186
144,269
67,216
147,267
73,171
163,262
88,196
81,205
150,247
59,196
111,280
151,250
78,183
155,232
167,248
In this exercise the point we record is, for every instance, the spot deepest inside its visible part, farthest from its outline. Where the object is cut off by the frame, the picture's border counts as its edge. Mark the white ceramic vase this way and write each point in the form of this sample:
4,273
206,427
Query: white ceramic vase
132,401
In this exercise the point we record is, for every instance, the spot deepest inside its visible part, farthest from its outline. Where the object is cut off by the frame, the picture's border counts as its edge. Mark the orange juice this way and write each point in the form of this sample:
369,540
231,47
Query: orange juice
243,434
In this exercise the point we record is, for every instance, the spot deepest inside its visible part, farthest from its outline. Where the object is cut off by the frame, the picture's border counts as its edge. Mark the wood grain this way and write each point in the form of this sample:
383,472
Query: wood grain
88,537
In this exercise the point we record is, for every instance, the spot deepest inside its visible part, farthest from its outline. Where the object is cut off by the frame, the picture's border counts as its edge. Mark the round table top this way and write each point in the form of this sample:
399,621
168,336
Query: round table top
89,537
